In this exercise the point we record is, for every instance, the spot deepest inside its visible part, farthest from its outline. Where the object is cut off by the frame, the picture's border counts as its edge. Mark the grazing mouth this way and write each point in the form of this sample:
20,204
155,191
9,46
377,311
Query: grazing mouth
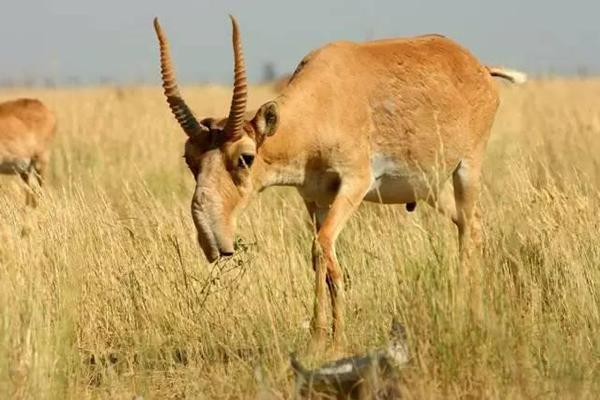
239,247
226,253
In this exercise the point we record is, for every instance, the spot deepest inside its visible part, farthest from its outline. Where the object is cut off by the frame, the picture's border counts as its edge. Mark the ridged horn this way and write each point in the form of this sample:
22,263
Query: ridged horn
180,110
233,128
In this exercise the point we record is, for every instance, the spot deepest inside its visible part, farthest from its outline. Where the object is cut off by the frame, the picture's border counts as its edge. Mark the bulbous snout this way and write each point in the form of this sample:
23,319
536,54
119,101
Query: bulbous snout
212,240
210,255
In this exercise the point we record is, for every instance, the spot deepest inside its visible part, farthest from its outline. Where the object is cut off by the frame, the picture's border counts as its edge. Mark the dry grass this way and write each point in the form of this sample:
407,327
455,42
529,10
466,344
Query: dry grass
104,293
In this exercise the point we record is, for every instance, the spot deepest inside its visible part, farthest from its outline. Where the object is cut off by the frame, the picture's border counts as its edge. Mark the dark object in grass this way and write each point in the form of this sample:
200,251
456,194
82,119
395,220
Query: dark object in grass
374,375
410,207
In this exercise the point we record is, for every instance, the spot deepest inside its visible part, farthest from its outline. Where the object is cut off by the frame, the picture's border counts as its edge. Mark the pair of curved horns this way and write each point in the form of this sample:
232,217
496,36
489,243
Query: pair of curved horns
183,114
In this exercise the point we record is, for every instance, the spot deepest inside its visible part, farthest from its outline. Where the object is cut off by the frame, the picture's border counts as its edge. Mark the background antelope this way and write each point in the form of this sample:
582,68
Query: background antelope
388,121
26,129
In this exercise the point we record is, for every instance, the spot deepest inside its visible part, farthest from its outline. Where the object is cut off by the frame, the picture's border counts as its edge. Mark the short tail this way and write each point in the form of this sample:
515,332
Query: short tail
509,74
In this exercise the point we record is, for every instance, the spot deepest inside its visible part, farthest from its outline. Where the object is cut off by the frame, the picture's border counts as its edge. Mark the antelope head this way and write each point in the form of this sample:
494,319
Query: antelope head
220,153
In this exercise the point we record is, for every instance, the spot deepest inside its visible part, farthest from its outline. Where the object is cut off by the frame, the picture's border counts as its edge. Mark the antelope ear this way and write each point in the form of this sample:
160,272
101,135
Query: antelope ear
266,119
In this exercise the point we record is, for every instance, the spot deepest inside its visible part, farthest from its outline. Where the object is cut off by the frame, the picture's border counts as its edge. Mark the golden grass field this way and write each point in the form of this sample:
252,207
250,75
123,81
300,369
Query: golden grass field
104,293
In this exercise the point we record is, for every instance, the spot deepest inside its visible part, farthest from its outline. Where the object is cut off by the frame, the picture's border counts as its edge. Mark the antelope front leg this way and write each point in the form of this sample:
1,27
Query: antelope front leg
319,322
327,270
30,189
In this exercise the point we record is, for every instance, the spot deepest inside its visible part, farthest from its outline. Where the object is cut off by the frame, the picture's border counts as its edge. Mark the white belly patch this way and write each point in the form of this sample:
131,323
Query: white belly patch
395,183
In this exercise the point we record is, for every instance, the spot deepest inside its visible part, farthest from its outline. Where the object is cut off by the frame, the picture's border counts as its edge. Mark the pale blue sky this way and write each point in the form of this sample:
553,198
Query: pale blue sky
114,38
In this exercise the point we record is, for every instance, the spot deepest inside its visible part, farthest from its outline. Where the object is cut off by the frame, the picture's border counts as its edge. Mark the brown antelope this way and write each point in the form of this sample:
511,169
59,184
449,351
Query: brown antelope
26,129
387,121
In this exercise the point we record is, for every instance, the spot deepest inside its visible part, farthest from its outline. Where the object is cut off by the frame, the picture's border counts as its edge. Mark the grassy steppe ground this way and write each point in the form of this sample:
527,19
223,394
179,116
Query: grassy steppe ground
104,292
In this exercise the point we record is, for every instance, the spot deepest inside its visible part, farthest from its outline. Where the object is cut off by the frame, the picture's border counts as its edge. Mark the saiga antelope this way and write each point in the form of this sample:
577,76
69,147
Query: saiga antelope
26,129
387,121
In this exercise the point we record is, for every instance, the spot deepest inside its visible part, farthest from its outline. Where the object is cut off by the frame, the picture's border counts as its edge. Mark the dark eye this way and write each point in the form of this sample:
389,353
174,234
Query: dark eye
246,160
